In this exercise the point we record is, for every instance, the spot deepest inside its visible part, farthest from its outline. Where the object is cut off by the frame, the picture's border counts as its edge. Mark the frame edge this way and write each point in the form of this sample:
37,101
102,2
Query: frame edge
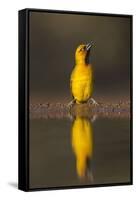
23,183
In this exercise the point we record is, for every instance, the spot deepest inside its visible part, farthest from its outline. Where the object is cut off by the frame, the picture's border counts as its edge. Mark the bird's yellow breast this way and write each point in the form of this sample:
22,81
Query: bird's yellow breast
82,83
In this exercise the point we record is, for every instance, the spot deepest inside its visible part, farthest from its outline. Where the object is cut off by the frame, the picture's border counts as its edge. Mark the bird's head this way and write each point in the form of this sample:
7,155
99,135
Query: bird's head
82,53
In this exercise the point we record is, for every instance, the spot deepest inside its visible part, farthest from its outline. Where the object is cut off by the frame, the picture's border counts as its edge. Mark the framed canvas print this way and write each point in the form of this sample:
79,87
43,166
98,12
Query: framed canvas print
75,99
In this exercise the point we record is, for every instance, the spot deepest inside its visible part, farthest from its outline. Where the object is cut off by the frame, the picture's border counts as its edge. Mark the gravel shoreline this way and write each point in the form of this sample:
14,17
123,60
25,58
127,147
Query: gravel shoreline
59,110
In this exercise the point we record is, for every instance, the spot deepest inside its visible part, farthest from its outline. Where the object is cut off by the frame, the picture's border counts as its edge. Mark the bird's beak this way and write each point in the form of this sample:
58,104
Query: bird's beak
88,46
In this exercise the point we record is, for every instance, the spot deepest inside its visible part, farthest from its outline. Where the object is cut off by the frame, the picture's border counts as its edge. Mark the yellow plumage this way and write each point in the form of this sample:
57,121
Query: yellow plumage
81,79
82,143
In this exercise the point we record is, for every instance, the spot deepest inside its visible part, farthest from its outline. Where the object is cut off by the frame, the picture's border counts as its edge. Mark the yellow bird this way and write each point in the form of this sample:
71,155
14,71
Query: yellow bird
81,80
82,143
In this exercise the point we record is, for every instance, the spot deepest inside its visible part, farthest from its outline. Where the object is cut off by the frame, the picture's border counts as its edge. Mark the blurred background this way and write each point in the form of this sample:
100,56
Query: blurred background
53,41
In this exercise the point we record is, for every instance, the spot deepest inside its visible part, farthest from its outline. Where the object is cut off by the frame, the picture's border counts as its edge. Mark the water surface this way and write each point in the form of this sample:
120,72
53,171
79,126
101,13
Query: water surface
79,152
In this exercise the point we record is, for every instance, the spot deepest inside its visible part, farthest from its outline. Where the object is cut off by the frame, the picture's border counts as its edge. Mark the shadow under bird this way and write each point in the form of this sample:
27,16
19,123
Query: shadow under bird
81,80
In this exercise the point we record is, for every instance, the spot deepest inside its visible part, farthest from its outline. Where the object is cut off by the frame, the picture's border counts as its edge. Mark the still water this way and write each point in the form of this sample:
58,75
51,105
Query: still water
79,152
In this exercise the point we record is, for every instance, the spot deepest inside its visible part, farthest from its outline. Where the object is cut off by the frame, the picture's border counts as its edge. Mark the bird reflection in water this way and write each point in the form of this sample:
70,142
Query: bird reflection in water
82,144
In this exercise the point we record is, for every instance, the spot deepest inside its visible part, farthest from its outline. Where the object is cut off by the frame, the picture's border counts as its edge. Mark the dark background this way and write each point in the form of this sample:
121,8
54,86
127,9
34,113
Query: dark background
53,40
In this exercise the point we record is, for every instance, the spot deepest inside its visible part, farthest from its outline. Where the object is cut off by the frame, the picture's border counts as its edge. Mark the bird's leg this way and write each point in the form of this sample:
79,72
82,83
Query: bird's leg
70,116
93,101
71,103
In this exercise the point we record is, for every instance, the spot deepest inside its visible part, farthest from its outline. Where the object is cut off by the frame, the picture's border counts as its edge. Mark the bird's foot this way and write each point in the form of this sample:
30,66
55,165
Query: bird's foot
71,103
70,116
93,102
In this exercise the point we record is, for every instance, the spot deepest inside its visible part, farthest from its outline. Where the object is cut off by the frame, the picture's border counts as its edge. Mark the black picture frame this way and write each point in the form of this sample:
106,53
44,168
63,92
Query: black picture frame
23,133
